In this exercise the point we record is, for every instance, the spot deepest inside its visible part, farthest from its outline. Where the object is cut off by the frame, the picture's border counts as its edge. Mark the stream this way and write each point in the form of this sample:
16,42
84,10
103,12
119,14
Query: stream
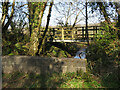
82,53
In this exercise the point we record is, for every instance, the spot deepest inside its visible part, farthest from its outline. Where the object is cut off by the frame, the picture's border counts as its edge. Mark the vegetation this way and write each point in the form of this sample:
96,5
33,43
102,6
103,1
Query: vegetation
67,80
103,55
24,37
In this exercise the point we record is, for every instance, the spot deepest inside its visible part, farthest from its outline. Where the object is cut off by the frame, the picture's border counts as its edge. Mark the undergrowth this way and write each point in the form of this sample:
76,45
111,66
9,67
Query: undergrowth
66,80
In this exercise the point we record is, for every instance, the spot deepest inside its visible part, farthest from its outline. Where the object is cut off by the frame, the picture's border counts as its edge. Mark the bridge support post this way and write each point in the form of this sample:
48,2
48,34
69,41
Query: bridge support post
53,33
72,33
96,31
62,34
82,32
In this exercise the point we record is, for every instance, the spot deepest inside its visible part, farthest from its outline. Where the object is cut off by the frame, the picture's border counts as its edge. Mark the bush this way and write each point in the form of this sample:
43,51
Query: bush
14,43
105,48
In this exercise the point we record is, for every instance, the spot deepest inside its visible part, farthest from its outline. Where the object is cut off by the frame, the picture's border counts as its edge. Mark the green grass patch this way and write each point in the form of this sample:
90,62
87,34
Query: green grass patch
67,80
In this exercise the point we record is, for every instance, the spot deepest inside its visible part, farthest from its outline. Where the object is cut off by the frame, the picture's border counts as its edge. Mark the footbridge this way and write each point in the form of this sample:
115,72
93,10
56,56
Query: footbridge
68,34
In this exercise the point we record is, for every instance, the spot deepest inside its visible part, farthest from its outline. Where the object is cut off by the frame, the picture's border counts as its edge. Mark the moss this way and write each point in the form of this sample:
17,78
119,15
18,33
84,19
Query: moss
57,52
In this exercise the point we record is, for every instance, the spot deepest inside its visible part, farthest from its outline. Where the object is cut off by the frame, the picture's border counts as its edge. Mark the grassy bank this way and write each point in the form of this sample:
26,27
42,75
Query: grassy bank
67,80
55,49
63,49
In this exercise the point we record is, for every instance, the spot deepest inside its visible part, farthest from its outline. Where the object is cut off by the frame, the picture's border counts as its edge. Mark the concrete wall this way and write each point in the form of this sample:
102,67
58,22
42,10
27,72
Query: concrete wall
36,64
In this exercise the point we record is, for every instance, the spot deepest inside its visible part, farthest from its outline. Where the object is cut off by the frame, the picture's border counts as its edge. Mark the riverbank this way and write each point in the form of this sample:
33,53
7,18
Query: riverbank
67,50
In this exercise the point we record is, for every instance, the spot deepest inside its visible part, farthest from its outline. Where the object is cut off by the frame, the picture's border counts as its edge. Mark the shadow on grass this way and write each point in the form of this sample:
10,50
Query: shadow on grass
67,80
111,79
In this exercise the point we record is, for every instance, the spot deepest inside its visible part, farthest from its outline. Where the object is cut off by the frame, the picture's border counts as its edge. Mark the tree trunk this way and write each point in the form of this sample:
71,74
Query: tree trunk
4,11
37,9
102,9
40,17
41,44
118,24
5,27
30,17
87,37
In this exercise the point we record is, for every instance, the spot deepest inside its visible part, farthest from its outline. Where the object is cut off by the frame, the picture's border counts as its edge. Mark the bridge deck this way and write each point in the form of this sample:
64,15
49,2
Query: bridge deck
70,40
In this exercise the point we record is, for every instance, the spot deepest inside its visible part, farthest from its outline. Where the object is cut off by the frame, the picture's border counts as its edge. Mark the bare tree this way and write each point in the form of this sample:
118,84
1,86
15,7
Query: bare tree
5,15
41,44
68,10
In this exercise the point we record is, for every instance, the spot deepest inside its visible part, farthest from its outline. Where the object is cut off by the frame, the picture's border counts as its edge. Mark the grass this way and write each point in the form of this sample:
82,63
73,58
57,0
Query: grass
67,80
55,80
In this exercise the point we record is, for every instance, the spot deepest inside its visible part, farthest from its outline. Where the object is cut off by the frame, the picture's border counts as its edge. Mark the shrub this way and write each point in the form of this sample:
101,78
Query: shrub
104,48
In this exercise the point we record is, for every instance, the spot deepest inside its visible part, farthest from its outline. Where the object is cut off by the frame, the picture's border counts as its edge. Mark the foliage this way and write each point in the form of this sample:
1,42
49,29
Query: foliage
57,52
105,48
61,49
14,44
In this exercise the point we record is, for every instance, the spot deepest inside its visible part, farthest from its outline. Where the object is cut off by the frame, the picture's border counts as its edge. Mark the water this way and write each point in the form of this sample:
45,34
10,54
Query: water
83,54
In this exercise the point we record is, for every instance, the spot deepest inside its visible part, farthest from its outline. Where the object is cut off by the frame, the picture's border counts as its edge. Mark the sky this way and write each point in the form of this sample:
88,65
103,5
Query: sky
56,15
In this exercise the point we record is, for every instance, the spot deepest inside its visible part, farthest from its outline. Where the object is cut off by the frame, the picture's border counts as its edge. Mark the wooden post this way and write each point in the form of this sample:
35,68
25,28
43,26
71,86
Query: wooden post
62,34
96,31
75,32
82,32
48,34
72,34
53,31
